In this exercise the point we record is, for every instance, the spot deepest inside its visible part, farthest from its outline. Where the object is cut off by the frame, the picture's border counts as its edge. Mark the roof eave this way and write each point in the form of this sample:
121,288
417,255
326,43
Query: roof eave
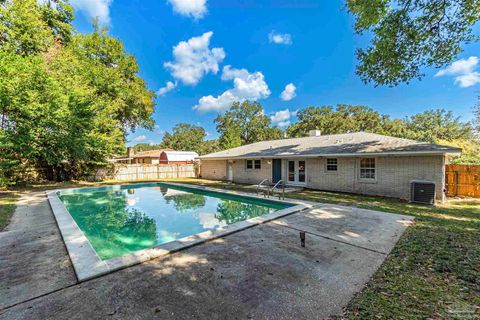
358,154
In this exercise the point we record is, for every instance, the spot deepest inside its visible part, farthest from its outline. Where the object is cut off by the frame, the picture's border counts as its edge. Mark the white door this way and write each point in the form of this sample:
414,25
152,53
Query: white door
229,171
297,172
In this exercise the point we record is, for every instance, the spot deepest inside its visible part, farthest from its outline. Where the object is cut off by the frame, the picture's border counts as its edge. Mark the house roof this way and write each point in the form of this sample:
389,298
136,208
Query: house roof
181,155
150,153
347,144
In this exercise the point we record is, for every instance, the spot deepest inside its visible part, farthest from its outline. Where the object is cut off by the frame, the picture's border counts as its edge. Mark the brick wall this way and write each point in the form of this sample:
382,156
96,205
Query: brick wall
254,176
214,169
393,174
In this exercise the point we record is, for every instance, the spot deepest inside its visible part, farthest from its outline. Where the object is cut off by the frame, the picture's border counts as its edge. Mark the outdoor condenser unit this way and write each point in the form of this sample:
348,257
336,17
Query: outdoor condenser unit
422,192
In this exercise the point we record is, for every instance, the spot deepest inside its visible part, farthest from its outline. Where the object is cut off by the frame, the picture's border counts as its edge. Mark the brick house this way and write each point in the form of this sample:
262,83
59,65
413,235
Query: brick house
360,162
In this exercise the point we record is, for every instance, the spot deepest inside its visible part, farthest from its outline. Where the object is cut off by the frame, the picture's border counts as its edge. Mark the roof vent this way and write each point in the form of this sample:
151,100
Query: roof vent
315,133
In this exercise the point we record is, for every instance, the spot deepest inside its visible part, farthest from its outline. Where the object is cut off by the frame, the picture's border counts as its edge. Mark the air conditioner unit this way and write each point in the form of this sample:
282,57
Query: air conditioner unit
422,192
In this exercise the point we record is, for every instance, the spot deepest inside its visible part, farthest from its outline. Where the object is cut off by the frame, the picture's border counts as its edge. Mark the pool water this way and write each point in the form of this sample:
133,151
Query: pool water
122,219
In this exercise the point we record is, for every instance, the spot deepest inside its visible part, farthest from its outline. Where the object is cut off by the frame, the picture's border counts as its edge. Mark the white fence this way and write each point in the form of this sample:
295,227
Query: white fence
130,172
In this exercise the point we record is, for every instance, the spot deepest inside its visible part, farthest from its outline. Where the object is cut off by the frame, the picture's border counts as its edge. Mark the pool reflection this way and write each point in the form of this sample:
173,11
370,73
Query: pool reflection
129,219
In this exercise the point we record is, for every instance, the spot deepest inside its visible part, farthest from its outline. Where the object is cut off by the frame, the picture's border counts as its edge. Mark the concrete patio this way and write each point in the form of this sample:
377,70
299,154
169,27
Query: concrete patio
261,272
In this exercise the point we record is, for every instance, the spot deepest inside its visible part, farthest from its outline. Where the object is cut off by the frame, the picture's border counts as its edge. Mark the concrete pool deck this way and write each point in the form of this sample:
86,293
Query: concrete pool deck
88,265
260,272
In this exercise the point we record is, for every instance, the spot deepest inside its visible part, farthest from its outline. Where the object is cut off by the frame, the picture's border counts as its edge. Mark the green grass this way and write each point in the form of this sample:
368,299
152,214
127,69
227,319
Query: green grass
7,207
433,271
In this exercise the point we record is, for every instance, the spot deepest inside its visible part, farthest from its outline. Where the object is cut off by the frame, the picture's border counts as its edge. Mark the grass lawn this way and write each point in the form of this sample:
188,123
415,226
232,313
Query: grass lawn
433,271
7,207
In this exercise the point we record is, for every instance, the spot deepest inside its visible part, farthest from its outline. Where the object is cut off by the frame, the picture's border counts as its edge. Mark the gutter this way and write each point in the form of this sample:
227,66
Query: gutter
338,155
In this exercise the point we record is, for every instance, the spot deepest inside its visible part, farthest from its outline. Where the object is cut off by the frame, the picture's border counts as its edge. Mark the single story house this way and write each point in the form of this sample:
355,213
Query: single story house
146,157
160,156
359,162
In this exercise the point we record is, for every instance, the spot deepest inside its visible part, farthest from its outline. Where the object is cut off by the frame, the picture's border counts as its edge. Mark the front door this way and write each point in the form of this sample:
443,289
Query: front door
297,170
276,170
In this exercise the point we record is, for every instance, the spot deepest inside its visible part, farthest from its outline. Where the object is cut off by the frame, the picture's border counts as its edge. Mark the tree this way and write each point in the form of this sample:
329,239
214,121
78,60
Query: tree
343,119
185,137
439,124
189,137
210,146
245,122
470,150
27,27
66,100
429,126
139,147
409,35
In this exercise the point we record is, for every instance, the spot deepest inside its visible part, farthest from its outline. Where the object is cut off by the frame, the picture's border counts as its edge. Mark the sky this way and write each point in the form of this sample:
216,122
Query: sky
200,55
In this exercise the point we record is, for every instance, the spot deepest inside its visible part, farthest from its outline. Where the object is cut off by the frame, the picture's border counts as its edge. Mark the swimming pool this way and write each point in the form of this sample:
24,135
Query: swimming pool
129,218
106,228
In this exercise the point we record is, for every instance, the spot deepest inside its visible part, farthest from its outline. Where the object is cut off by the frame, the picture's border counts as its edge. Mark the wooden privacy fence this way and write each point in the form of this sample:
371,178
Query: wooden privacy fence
462,180
153,171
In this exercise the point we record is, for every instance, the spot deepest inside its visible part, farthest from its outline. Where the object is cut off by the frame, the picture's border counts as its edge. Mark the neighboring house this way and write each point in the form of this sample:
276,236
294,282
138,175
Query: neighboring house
358,162
178,157
144,157
163,156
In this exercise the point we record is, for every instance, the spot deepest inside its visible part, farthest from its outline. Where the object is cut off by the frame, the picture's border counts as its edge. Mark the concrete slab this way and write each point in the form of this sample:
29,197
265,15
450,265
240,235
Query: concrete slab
374,230
32,211
33,259
259,273
87,263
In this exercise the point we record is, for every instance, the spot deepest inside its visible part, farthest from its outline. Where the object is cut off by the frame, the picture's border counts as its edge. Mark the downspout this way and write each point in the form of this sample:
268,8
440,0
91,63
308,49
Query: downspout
355,160
444,163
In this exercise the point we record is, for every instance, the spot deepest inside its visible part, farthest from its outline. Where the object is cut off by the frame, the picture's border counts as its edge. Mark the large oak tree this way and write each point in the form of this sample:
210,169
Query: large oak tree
67,100
409,35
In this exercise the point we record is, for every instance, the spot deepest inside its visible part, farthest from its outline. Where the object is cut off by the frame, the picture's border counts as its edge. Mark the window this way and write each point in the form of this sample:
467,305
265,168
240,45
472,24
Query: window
301,171
332,164
291,171
254,164
367,168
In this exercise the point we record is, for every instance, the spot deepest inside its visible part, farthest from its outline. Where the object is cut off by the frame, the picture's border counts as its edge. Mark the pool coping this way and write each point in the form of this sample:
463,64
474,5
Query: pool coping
88,265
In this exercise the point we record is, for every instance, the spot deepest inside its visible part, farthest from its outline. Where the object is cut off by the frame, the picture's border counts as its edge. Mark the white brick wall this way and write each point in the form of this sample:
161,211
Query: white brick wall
254,176
393,174
214,169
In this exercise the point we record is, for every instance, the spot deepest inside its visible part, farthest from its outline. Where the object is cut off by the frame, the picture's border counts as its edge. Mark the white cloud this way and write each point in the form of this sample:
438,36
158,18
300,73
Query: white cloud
282,118
280,38
246,86
169,86
194,59
190,8
464,72
139,138
289,92
94,9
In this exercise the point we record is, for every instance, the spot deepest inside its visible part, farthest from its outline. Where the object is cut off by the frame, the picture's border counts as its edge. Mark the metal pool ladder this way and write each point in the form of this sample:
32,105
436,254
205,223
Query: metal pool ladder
262,186
283,189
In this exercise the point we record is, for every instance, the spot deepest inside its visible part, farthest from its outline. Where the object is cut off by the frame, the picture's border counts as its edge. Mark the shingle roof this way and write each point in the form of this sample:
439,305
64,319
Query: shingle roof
347,144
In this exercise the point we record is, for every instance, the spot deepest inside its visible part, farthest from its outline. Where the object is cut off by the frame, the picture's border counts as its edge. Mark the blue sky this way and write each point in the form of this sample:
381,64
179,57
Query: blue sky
247,49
